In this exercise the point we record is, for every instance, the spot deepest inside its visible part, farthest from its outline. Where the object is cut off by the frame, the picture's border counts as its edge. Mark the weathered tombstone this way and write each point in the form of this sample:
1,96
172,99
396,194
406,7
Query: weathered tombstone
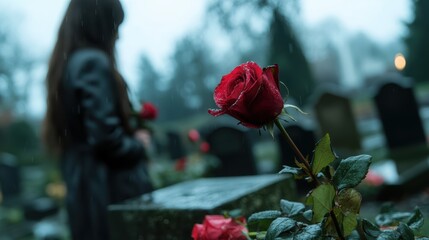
171,212
399,114
10,180
175,145
405,136
335,116
233,148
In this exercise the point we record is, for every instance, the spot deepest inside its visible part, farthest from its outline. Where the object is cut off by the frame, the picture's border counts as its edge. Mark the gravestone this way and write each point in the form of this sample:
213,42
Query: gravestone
175,145
305,140
405,136
335,116
399,113
171,212
10,180
233,148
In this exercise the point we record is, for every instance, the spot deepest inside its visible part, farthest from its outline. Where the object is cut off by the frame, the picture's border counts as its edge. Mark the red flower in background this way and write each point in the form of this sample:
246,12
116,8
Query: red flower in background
148,111
193,135
373,179
180,164
249,94
204,147
217,227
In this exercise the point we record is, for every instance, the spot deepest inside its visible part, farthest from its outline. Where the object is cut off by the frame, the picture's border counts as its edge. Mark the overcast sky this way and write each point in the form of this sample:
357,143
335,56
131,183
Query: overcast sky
153,27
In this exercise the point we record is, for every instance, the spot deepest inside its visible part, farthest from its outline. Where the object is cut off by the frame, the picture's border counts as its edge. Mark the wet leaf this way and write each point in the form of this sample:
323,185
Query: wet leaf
260,221
322,198
291,208
279,226
308,215
416,220
349,223
323,154
296,172
351,171
310,232
349,200
389,235
370,229
405,231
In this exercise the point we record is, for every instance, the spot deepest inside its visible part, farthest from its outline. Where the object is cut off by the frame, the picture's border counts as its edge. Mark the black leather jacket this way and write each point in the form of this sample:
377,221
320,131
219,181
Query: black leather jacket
102,164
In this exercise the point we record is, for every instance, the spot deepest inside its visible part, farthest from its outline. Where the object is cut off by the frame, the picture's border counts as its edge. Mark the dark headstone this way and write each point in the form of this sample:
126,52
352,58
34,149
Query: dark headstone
10,180
175,145
399,114
233,148
170,213
335,116
405,136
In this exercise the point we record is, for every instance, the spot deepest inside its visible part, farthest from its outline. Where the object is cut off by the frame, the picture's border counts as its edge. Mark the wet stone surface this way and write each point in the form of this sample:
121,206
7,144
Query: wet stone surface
171,212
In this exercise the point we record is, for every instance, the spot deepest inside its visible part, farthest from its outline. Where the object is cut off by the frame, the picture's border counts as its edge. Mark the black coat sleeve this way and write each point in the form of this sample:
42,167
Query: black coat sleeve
97,95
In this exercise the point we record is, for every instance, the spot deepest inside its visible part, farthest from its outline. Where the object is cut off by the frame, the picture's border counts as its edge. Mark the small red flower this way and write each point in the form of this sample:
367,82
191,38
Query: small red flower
180,165
217,227
148,111
193,135
204,147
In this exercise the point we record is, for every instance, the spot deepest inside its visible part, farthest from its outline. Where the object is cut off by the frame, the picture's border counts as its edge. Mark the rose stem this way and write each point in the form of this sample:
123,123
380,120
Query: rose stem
307,165
296,150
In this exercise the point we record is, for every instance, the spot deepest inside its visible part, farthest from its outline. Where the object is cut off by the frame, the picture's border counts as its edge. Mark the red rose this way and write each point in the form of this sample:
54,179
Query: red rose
217,227
148,111
193,135
249,94
204,147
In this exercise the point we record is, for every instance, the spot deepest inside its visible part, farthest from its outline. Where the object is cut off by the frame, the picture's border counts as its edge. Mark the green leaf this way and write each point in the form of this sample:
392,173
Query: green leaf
416,221
323,154
349,223
351,171
260,221
291,208
370,229
329,225
310,232
308,215
389,235
405,231
297,172
393,218
279,226
322,199
349,200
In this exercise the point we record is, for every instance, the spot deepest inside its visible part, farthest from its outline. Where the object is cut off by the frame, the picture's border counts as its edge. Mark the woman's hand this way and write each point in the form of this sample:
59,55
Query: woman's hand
144,137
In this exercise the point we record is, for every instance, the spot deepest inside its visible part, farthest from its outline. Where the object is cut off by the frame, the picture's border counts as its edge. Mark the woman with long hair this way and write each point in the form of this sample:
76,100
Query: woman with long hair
87,118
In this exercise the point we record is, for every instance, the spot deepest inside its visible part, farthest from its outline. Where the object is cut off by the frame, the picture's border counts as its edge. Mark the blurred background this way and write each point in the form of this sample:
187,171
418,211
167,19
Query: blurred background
174,53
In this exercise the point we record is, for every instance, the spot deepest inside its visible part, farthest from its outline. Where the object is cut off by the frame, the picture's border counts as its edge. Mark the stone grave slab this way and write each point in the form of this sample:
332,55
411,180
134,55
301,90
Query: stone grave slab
171,212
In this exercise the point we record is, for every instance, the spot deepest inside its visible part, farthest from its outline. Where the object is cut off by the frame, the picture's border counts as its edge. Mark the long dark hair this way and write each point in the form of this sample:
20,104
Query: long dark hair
86,24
